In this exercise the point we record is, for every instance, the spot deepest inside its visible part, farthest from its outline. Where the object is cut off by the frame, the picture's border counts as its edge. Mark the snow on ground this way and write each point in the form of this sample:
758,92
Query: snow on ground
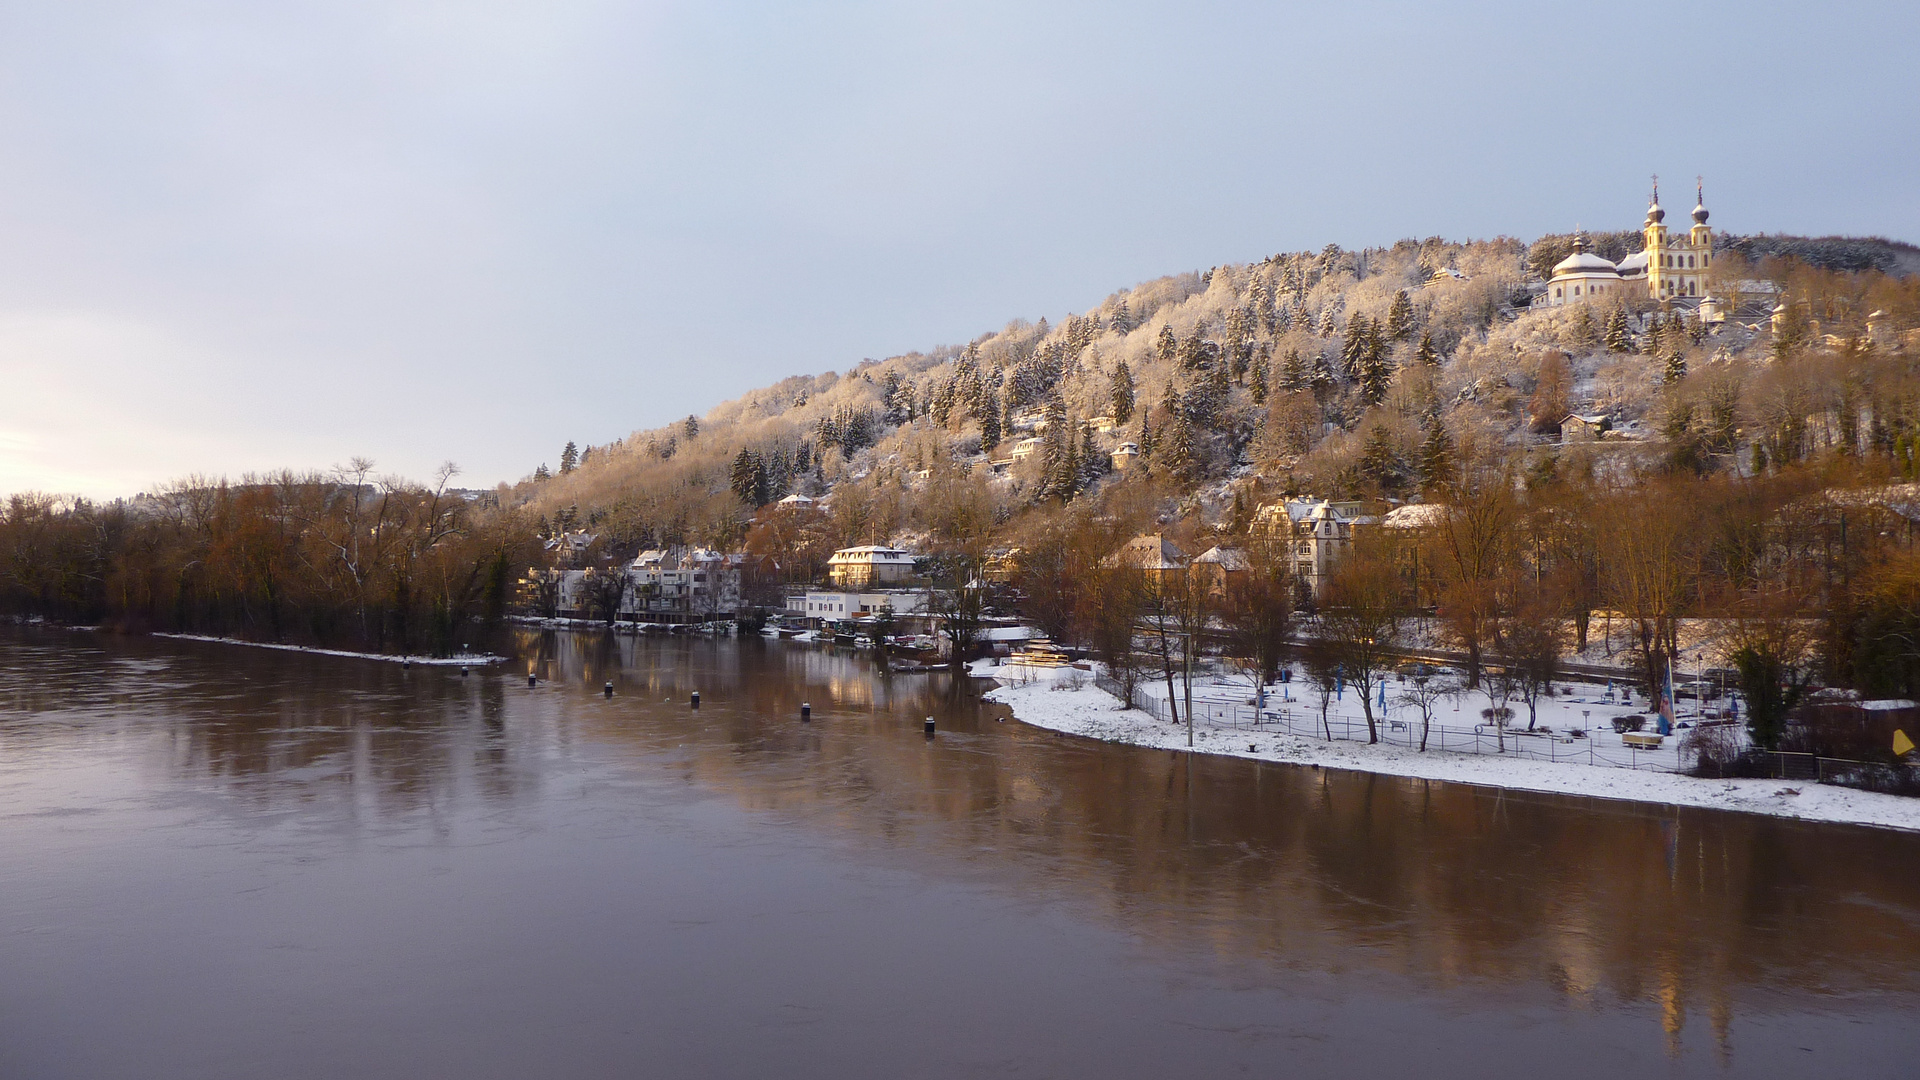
469,660
1076,707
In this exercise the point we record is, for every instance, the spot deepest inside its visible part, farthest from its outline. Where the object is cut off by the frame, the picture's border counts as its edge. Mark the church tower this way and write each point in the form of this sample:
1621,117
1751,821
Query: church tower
1659,285
1701,237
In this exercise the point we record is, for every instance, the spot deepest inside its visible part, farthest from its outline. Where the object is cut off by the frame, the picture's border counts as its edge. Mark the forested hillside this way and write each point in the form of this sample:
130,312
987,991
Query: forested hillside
1379,374
1761,464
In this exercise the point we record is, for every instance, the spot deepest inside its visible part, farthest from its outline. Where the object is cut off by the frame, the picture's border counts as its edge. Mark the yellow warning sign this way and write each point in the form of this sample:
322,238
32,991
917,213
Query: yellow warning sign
1901,744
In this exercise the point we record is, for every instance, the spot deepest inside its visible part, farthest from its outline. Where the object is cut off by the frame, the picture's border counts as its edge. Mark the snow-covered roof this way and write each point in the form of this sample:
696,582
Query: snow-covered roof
1887,705
870,554
796,499
1228,558
1583,262
1634,262
1414,516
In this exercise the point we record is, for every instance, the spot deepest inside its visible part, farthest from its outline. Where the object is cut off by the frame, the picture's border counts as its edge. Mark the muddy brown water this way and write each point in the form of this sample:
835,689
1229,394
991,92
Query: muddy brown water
227,862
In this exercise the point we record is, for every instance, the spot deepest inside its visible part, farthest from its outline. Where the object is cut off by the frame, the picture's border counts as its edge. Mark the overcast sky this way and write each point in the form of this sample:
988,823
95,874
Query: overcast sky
242,236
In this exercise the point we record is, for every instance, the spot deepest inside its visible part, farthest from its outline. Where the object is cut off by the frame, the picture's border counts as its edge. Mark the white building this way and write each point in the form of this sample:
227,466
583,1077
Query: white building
864,567
1669,267
829,605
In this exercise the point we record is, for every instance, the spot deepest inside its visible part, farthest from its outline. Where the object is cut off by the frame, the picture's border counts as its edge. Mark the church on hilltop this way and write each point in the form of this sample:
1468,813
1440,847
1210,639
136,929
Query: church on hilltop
1671,267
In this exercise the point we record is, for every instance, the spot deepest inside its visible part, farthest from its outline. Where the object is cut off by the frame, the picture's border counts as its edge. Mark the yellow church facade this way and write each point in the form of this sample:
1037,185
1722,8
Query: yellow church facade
1670,267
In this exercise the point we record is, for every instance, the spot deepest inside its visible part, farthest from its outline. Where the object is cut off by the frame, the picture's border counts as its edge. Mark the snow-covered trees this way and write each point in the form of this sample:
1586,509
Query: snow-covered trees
569,458
1120,393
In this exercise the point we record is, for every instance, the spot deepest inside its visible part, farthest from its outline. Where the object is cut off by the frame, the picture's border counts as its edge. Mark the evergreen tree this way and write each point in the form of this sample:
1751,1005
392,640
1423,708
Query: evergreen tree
541,473
1327,325
692,428
1193,351
1376,367
1584,332
1121,394
749,476
989,417
1400,317
1676,366
1436,457
800,462
1122,321
1166,345
1427,355
1262,373
569,458
1380,461
1144,440
1619,334
1177,453
1294,375
1353,350
1093,463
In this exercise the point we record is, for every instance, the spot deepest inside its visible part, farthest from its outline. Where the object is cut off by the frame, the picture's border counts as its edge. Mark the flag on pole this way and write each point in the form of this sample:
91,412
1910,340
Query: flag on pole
1666,707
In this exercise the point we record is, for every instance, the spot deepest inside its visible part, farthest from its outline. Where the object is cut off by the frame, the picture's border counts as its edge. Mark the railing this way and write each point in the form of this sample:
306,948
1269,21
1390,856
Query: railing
1299,717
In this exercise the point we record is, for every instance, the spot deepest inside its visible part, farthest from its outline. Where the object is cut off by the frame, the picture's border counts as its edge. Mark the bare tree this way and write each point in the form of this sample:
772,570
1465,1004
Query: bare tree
1424,694
1361,622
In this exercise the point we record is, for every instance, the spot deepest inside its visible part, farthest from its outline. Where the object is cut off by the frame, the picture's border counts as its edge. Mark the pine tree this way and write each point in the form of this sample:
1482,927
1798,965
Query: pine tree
692,428
1193,351
1676,366
989,417
1427,355
1400,317
569,458
1354,349
1326,321
541,473
1093,463
1144,440
1262,374
800,462
1375,370
1583,329
1122,321
749,476
1436,457
1380,461
1166,345
1177,454
1122,393
1619,335
1294,375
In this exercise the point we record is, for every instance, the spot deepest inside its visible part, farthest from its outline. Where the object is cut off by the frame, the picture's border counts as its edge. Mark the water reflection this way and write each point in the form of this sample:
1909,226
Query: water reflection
1465,892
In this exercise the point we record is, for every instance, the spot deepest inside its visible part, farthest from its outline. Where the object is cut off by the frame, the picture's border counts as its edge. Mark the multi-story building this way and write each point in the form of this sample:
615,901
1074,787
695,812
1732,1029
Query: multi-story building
1670,267
1312,535
868,566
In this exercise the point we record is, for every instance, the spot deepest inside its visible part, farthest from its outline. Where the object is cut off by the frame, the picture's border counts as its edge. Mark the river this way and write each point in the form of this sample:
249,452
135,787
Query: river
226,862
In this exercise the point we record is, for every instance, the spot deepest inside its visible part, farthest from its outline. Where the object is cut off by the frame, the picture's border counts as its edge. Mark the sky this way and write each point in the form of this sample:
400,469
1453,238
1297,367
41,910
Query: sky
245,236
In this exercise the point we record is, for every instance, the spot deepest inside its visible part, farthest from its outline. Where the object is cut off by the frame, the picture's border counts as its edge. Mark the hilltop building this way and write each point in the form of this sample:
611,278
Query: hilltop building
1670,267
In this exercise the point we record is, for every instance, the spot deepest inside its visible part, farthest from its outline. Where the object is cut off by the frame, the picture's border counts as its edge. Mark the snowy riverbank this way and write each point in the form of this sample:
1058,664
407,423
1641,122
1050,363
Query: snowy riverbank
1085,710
469,660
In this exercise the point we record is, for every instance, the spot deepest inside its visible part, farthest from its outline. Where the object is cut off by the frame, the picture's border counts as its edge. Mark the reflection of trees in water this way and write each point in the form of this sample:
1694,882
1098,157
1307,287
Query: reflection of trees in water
281,730
1306,867
1268,865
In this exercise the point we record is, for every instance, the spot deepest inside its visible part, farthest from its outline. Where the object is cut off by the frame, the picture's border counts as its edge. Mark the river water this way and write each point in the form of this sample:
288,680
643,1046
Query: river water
228,862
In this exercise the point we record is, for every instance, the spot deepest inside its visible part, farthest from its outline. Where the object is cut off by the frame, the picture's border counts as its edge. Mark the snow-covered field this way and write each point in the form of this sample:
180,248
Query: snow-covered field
469,660
1068,702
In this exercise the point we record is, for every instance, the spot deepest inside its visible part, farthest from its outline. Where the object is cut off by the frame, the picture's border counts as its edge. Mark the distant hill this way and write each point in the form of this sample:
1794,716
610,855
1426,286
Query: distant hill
1850,254
1341,373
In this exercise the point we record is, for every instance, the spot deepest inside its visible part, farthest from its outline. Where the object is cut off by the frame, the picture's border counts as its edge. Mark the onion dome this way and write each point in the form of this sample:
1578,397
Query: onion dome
1655,215
1699,205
